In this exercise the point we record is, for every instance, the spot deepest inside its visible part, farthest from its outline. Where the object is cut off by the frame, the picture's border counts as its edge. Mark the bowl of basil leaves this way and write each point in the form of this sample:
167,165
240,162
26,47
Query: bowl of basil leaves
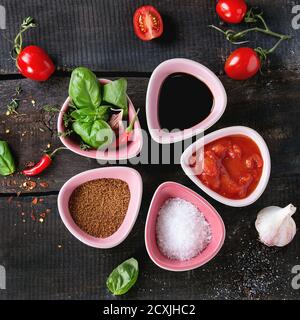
95,115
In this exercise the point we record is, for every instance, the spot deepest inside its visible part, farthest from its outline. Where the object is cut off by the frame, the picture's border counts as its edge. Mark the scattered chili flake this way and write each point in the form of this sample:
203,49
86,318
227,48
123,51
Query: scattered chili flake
29,185
43,215
29,164
34,201
32,216
41,200
9,199
44,184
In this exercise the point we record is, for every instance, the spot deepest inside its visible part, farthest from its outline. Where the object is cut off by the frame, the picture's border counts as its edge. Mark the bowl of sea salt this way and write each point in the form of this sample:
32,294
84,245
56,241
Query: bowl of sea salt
183,231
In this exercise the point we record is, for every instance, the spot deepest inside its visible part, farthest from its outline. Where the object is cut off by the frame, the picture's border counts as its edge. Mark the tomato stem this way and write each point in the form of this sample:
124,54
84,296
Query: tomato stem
264,52
18,42
251,17
257,29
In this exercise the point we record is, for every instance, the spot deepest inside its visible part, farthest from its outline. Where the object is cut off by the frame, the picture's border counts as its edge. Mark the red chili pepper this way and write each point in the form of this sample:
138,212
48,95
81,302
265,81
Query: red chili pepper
44,163
126,136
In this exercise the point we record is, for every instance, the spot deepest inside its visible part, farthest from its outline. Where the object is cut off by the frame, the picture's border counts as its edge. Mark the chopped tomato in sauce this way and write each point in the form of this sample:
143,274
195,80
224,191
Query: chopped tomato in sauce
232,166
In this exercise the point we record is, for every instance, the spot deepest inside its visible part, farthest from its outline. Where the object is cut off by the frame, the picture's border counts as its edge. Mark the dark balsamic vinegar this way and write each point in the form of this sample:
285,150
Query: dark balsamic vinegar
184,101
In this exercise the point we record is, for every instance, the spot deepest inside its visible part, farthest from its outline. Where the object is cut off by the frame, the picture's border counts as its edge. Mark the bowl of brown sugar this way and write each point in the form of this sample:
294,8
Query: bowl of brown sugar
99,207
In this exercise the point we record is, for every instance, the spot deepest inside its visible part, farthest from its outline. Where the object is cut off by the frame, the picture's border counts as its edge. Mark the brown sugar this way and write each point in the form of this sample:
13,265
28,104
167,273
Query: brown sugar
99,206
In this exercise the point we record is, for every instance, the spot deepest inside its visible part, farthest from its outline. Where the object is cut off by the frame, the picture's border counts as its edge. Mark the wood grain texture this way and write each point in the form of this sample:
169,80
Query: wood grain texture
44,261
267,104
99,33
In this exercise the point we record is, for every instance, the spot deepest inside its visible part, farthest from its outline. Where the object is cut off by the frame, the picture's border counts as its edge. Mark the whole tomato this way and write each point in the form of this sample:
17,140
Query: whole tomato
34,63
242,64
231,11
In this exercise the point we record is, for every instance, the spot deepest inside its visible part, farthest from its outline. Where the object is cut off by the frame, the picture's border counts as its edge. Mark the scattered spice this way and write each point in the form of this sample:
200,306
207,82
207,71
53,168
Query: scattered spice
43,215
44,184
9,200
29,164
29,185
99,206
34,201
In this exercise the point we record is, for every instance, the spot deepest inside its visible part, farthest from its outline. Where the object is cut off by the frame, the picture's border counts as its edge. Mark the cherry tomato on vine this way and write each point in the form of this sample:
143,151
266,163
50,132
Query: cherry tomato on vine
34,63
232,11
242,64
148,23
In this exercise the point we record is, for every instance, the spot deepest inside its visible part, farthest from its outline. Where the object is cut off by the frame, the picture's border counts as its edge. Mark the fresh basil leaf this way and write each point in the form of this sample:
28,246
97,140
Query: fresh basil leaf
97,134
102,113
88,115
84,88
115,93
7,163
83,115
123,277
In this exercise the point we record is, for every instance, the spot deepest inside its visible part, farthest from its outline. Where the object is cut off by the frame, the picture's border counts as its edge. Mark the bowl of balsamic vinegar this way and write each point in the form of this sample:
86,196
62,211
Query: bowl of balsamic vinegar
184,98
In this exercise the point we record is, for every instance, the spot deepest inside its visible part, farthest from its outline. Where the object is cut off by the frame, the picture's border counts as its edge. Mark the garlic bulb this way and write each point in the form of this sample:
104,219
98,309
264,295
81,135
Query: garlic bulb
275,225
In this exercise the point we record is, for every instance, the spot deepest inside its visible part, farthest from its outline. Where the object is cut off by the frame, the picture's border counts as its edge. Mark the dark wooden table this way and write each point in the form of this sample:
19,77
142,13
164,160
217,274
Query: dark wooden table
43,260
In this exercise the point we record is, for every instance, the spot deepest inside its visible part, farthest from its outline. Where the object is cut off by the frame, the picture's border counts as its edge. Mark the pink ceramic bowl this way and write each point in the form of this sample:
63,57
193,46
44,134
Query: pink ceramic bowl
169,190
203,74
133,148
129,175
236,130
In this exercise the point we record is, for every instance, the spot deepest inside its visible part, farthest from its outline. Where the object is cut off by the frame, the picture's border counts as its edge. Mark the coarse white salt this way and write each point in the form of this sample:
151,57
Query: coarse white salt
181,229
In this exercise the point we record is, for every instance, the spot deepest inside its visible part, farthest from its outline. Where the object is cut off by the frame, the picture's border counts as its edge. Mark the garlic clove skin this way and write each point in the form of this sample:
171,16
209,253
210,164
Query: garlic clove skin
116,123
275,225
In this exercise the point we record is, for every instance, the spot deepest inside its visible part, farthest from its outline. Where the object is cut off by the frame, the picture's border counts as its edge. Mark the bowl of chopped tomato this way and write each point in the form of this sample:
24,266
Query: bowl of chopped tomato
232,165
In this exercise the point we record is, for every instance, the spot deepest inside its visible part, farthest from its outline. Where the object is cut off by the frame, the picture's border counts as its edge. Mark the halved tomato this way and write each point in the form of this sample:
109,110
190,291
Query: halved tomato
148,23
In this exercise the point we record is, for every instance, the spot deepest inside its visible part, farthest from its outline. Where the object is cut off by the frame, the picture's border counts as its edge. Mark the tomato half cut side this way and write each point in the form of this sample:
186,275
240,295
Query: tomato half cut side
148,23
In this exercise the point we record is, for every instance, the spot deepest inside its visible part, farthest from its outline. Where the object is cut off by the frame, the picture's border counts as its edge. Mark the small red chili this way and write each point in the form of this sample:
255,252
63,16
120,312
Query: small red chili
126,136
44,163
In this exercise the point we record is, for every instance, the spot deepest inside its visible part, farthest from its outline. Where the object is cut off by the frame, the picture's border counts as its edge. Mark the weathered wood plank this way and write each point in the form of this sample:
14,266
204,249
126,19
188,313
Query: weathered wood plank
99,34
43,260
270,106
